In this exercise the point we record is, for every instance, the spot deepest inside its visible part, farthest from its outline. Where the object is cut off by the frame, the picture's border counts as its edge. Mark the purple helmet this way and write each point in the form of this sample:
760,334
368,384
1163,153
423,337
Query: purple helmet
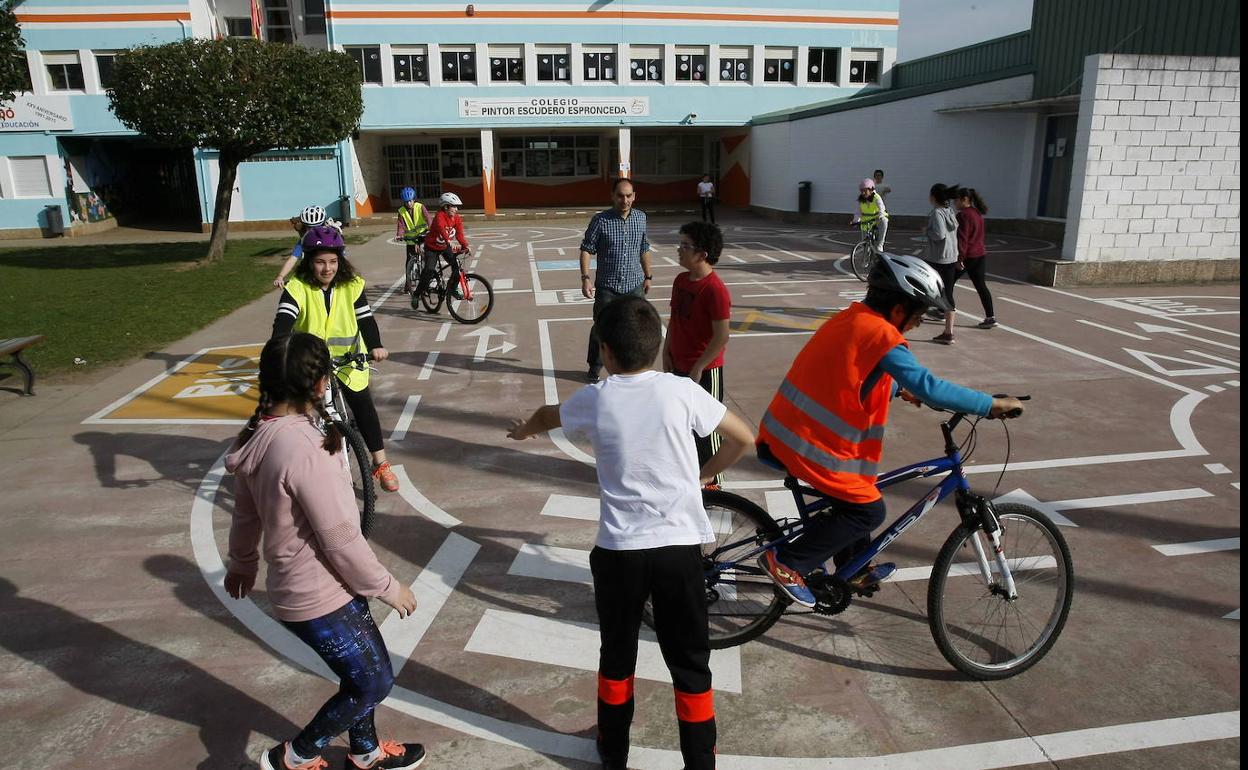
323,238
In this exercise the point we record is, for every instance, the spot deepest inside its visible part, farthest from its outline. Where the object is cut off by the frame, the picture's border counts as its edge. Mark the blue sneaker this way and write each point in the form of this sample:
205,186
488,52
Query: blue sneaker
788,579
872,575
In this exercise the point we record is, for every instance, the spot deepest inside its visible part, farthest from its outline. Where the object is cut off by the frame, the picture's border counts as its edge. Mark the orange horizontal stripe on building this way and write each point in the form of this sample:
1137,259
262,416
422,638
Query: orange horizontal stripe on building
101,18
611,16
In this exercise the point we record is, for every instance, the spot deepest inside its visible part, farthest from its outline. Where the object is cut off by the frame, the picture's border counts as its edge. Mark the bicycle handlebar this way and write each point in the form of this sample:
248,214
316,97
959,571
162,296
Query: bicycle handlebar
358,360
959,416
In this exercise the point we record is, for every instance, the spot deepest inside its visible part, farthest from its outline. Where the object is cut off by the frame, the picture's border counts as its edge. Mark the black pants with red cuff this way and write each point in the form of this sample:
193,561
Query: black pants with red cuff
671,577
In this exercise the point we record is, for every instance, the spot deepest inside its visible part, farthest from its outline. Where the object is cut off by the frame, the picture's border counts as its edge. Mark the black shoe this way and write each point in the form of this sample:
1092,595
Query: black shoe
394,756
592,375
275,759
611,763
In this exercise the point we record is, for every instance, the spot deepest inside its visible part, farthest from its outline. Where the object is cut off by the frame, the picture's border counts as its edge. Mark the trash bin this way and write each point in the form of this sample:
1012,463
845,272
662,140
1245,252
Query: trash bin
344,211
56,220
803,197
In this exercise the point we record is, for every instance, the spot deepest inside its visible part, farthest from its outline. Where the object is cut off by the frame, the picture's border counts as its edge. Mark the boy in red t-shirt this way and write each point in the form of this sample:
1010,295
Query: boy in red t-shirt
697,332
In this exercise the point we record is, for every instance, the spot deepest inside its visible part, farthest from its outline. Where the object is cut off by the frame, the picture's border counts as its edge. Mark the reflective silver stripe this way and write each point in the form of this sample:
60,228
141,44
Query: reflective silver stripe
827,419
343,341
814,453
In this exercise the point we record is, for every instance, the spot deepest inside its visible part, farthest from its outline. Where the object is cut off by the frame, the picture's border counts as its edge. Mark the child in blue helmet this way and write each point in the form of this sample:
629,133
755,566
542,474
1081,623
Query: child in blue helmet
411,225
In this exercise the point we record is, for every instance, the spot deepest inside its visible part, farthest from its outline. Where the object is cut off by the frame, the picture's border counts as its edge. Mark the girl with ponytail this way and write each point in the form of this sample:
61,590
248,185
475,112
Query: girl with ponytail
972,259
293,497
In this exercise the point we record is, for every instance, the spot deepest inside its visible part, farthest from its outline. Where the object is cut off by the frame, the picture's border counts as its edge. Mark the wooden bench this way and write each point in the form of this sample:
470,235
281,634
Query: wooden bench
14,347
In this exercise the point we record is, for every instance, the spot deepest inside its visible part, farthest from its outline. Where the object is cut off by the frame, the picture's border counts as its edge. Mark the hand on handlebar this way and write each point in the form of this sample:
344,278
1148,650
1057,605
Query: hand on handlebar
1006,407
909,398
379,354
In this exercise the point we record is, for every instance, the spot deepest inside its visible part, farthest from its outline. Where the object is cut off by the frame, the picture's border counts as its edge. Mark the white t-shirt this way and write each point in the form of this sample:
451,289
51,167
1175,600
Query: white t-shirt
706,189
641,427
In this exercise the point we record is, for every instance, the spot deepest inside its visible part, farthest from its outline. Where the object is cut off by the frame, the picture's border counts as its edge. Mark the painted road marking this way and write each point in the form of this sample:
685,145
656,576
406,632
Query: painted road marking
1157,329
432,587
1107,501
776,294
551,393
415,498
1024,304
572,507
735,258
1199,546
781,505
504,284
405,419
767,257
426,371
1049,509
548,562
1021,564
1214,388
1192,369
1232,383
483,335
1211,357
443,331
575,645
1132,335
1217,468
1232,615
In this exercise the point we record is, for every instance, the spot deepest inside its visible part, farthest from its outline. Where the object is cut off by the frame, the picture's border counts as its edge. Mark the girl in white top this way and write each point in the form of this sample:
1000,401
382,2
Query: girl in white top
706,194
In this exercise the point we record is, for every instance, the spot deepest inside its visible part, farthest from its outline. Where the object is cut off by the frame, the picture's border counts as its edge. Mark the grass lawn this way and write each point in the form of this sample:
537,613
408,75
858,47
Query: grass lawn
108,305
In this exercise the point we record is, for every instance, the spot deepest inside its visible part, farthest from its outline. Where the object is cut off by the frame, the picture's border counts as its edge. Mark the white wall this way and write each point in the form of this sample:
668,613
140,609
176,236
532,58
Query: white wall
916,147
1156,172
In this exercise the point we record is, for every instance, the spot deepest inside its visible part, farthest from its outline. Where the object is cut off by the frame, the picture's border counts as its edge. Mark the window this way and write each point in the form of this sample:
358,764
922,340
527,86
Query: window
277,26
822,65
734,64
104,66
599,63
64,70
506,64
30,177
646,62
542,155
554,64
672,155
411,65
416,166
368,57
461,157
314,17
779,65
864,67
238,26
459,65
691,64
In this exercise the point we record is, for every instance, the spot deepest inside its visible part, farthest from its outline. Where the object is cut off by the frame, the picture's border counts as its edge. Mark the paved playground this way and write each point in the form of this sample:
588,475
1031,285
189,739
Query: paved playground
119,647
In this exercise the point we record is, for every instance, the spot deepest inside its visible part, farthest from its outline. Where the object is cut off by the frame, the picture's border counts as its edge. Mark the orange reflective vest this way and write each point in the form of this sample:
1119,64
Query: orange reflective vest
817,425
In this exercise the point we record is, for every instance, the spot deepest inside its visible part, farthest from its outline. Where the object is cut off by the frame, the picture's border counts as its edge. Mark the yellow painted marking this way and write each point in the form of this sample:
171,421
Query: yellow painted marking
219,384
756,316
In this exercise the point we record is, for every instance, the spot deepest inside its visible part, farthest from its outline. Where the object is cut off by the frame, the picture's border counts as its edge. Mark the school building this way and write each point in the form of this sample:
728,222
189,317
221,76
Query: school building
507,103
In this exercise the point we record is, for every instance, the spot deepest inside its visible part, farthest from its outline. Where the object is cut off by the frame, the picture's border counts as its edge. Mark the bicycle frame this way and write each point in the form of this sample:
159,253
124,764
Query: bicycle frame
441,269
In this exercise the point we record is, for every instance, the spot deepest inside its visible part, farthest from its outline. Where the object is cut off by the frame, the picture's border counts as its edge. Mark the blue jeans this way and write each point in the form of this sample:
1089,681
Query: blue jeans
603,297
348,641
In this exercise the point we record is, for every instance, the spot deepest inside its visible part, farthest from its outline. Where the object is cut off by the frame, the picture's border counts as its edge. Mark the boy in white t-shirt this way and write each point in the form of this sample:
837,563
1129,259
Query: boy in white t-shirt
653,524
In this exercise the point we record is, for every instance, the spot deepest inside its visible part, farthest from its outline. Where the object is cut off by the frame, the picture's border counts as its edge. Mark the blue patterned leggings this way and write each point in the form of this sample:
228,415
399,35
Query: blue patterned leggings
348,640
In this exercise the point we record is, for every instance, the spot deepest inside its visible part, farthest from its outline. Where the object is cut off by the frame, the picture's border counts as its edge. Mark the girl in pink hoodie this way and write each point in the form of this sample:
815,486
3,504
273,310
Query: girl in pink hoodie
292,489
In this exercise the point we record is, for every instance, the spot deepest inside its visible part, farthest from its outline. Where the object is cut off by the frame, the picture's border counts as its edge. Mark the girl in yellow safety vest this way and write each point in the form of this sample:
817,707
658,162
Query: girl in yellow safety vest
326,298
869,210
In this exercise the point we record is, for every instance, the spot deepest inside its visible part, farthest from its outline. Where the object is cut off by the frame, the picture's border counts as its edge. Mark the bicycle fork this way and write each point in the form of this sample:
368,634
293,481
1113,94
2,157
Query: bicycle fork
978,514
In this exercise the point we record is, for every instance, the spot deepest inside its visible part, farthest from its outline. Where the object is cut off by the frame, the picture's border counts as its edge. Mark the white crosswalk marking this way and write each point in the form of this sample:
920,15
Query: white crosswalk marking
575,645
432,587
571,507
1200,546
1021,564
552,563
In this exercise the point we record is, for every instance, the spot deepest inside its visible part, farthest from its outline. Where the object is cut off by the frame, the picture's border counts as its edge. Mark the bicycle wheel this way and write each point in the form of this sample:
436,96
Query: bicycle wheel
431,298
412,269
742,602
477,303
860,259
978,630
360,463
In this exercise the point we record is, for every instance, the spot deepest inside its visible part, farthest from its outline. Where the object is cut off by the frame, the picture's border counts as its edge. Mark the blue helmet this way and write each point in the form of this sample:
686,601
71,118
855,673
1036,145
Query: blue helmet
407,194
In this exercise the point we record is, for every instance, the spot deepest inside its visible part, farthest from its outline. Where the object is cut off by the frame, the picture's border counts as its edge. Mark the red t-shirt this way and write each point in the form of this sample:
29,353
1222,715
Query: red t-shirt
443,229
695,304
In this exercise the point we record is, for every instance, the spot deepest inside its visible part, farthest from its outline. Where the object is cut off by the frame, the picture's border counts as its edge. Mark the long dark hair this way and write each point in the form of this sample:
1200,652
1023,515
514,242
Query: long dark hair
968,193
290,367
303,271
943,193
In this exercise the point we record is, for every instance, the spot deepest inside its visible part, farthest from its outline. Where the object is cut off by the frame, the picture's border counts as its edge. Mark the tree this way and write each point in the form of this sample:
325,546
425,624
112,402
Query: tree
238,96
14,72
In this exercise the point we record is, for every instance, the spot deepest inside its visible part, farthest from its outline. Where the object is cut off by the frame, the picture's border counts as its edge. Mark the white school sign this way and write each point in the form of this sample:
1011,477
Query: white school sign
28,112
556,107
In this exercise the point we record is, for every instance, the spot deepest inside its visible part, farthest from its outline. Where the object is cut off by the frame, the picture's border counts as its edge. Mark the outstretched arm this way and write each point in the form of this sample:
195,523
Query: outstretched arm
545,419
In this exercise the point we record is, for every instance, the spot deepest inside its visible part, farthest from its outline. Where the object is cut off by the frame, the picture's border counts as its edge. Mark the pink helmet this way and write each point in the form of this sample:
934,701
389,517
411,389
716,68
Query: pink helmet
867,184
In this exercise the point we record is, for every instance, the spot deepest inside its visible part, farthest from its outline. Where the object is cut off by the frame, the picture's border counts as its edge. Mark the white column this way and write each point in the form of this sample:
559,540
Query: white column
387,65
38,73
626,149
842,77
481,53
669,65
577,62
90,75
433,59
888,58
490,202
757,55
802,76
712,65
529,52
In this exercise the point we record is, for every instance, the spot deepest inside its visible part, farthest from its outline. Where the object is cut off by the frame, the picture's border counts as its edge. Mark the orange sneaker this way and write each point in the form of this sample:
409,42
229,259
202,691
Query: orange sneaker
386,477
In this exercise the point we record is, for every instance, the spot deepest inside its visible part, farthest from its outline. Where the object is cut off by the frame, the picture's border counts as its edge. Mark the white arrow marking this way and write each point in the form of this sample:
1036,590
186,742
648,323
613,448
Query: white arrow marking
483,343
432,587
1200,546
1197,367
1232,615
504,246
575,645
1108,501
1115,331
1157,329
1049,509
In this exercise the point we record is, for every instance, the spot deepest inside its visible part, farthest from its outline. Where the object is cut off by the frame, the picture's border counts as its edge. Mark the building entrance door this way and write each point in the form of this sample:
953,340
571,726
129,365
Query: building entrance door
415,166
1055,173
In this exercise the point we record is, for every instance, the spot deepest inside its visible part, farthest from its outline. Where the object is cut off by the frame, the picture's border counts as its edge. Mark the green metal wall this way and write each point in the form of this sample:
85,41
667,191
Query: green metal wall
1065,32
999,54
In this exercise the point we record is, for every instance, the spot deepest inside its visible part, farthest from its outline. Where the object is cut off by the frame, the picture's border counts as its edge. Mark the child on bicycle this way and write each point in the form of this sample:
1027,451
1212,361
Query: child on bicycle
412,224
826,424
652,524
326,298
312,216
447,226
868,211
292,490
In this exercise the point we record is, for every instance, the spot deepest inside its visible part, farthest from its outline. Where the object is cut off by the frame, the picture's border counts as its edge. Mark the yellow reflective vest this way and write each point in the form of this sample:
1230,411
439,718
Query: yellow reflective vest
337,327
414,224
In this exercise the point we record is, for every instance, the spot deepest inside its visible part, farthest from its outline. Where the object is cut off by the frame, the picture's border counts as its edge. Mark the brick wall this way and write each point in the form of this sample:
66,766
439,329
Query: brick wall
1156,162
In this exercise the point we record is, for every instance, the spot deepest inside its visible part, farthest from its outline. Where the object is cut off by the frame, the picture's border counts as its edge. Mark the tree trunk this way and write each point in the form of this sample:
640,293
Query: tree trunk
228,172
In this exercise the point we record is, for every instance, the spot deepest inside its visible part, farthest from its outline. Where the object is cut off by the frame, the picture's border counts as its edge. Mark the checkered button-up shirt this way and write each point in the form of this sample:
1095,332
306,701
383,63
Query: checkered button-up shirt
618,244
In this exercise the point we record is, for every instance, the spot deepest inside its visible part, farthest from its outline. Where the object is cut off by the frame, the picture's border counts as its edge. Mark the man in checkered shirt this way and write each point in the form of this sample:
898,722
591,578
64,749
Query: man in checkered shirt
617,237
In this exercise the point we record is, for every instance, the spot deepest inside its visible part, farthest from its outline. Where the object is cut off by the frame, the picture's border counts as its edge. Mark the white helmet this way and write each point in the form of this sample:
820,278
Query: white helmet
911,276
450,199
312,216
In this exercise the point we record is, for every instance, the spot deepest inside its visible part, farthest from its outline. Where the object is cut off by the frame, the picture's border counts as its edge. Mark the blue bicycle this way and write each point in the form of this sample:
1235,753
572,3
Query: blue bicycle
998,594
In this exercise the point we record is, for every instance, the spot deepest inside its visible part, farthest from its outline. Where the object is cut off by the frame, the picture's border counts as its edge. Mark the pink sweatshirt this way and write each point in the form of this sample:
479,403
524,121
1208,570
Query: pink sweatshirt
300,497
